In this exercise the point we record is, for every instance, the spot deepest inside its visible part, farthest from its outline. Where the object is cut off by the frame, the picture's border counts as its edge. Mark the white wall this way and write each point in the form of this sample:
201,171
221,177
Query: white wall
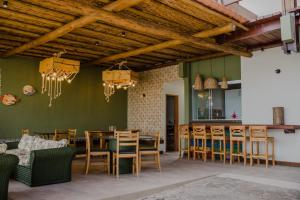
263,89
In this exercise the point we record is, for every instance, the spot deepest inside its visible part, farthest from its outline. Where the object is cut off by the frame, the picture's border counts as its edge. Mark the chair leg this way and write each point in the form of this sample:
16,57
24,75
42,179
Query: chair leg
188,146
194,156
117,166
140,161
108,164
273,153
251,153
179,148
238,151
114,165
137,166
158,161
224,151
231,151
204,150
212,150
88,159
257,153
245,153
267,154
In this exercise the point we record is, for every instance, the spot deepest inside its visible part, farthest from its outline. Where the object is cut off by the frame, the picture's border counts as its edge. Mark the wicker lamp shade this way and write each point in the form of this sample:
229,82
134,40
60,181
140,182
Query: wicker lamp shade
224,84
210,83
198,85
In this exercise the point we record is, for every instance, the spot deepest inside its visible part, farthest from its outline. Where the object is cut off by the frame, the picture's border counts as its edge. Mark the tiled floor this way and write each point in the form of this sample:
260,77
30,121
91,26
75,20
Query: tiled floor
192,179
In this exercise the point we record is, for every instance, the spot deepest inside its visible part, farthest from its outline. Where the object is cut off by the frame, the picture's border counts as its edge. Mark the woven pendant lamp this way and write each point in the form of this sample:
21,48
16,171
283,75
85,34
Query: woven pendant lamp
210,83
198,85
224,84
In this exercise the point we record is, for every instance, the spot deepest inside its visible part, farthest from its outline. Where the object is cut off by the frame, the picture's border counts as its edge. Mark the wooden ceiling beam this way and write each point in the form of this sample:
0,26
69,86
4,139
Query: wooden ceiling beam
149,28
89,18
204,34
99,30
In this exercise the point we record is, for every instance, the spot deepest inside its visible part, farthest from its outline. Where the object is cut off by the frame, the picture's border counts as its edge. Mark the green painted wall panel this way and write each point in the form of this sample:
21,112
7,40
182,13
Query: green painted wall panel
232,68
82,104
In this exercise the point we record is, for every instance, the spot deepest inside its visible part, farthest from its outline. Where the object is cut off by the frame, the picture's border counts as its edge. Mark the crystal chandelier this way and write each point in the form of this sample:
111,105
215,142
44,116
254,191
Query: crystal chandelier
55,71
119,78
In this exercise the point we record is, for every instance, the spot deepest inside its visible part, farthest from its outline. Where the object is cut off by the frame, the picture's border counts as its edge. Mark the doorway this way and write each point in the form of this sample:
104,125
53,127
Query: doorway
171,123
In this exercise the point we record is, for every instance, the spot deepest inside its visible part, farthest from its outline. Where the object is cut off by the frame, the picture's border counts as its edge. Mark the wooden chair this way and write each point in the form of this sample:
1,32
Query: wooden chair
152,151
218,135
72,137
238,136
184,135
25,131
199,134
259,134
95,152
59,135
126,139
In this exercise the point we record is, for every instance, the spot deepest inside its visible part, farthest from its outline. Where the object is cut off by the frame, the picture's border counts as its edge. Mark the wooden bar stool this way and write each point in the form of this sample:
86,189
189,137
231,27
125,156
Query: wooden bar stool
199,134
184,135
259,134
218,135
238,136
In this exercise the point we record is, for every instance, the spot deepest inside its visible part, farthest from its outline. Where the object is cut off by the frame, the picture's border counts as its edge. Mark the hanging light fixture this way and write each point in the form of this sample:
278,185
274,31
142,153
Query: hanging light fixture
122,77
224,84
198,85
54,71
210,83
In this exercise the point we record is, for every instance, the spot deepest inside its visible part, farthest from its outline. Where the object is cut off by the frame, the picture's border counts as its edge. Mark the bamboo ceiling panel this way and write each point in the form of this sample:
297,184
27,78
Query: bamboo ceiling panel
25,21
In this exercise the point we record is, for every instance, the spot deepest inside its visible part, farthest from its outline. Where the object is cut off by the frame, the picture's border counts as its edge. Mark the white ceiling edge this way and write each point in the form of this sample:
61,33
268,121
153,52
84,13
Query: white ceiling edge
262,7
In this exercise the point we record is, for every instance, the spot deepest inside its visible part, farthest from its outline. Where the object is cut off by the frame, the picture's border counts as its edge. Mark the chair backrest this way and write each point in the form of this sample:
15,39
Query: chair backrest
217,131
25,131
59,135
72,137
258,132
199,131
127,139
184,130
237,131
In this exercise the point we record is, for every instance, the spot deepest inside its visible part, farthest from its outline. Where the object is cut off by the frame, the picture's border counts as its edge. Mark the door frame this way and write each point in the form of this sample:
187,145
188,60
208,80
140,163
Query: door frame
176,119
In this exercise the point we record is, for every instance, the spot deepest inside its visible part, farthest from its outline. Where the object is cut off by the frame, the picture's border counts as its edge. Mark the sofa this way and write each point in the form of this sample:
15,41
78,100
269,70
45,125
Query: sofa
42,162
8,164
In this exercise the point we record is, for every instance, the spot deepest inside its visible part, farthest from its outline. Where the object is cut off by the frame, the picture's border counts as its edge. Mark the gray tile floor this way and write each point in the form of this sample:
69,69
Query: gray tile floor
186,179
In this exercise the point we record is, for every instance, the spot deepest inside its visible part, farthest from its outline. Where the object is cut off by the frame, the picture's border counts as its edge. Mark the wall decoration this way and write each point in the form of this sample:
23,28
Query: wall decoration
9,99
29,90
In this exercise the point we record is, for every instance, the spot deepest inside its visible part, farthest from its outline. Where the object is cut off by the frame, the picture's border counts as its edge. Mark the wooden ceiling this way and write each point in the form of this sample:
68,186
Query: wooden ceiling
146,33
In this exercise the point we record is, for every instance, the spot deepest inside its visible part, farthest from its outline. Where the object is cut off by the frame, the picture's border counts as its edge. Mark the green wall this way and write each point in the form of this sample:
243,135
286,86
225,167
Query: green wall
210,67
82,104
203,67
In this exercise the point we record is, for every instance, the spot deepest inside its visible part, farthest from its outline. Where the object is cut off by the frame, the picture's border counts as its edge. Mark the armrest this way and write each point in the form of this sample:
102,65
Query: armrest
51,157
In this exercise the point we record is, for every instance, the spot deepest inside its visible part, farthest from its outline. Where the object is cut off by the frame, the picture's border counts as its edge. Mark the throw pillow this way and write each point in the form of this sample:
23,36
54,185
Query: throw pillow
3,148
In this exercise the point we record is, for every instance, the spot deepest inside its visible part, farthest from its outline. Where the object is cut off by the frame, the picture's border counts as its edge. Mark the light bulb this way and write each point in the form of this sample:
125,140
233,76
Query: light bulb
69,81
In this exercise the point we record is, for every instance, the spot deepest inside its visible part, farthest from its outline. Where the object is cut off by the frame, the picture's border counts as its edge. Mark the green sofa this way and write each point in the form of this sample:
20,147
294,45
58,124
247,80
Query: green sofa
48,166
8,164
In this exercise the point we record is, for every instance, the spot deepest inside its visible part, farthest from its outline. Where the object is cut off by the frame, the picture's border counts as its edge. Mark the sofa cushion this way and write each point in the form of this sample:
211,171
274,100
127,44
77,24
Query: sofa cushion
26,142
3,148
23,155
40,143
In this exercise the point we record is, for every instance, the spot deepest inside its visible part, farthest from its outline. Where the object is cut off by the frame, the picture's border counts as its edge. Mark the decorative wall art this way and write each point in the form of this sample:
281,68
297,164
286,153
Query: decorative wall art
29,90
9,99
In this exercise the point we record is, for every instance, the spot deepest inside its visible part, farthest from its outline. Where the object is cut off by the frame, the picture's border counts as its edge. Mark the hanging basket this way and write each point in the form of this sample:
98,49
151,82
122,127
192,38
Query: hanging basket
210,83
224,84
198,85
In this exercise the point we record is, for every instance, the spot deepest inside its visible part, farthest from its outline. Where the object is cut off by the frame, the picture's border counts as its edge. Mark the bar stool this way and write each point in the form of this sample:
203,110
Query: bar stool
260,134
238,136
199,133
218,135
184,134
